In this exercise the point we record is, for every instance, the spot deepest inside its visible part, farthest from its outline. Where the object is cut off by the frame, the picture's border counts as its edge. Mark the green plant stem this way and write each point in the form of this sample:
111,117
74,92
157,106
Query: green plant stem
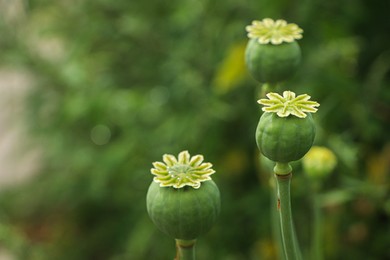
290,243
316,250
276,230
268,87
185,249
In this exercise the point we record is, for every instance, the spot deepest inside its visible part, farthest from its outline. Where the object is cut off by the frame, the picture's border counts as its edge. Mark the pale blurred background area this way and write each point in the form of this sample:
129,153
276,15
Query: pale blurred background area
19,159
19,155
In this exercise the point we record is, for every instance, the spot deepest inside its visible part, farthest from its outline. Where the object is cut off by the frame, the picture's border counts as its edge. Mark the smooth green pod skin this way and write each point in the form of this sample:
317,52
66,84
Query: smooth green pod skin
269,63
284,139
184,213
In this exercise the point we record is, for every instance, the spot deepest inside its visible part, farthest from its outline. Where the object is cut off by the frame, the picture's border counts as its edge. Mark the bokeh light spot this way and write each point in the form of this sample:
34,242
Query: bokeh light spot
100,134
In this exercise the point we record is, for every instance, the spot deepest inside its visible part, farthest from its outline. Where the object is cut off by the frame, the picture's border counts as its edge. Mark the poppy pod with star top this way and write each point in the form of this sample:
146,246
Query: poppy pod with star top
285,133
272,54
183,201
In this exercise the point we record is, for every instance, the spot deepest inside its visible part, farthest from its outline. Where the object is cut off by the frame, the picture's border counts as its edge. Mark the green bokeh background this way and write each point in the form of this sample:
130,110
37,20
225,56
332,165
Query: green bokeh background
119,83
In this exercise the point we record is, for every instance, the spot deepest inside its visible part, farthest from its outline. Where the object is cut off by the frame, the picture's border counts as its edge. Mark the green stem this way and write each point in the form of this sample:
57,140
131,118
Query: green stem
290,243
316,249
268,87
185,249
276,230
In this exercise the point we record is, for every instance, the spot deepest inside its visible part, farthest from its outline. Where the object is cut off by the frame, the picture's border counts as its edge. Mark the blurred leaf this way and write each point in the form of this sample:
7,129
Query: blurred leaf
378,167
232,70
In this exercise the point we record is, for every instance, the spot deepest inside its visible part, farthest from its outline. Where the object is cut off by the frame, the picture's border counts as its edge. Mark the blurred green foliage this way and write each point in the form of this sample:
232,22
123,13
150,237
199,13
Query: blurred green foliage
119,83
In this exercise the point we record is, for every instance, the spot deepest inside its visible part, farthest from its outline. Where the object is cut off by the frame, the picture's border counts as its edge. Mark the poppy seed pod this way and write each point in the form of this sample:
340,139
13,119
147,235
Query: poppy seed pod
272,55
285,132
269,63
183,201
284,139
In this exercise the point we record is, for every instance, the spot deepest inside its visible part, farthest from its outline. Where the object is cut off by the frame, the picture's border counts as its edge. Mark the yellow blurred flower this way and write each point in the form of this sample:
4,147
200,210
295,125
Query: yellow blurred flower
319,162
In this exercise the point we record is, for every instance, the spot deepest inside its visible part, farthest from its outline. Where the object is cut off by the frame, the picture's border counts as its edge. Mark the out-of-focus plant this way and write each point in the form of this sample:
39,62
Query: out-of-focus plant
272,54
318,164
